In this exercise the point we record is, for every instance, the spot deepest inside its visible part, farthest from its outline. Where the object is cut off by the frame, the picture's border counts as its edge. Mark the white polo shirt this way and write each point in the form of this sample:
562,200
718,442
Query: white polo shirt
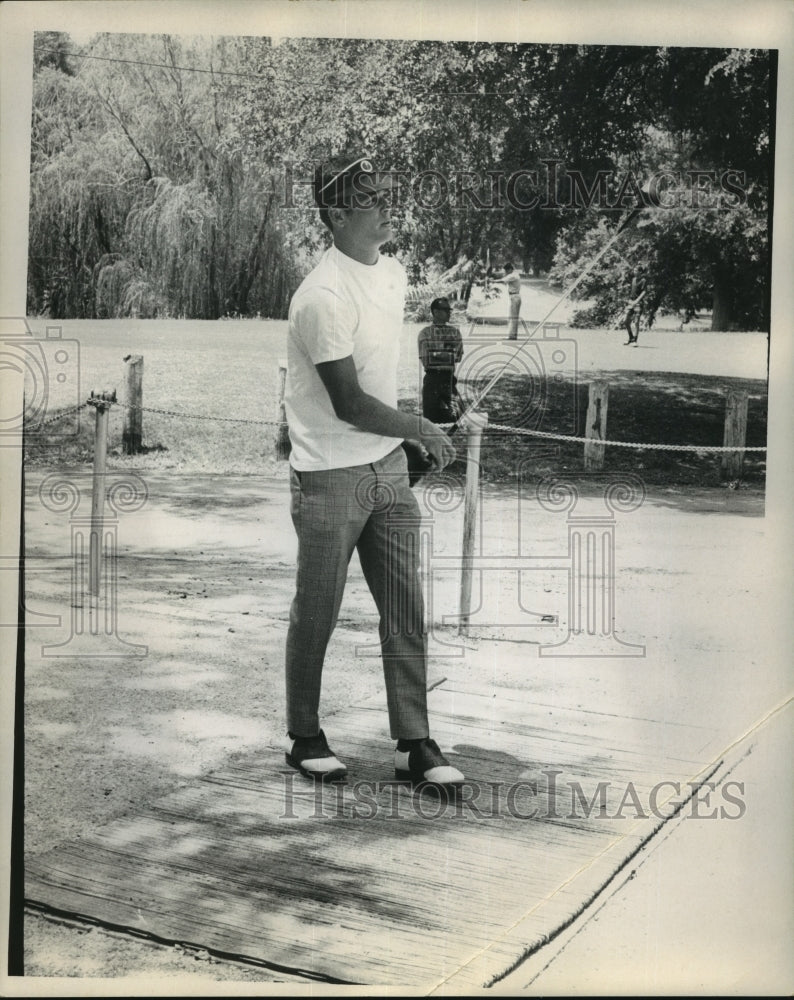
342,308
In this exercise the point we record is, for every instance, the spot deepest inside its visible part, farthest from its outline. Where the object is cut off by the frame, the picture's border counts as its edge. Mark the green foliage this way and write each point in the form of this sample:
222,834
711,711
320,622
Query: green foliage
139,204
704,247
159,180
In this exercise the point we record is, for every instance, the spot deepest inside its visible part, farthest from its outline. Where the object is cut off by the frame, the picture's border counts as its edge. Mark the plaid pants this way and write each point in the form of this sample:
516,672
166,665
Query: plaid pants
515,310
369,508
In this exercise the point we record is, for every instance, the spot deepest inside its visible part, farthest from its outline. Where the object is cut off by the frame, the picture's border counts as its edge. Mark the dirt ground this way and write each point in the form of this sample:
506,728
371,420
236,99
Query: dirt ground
205,579
205,574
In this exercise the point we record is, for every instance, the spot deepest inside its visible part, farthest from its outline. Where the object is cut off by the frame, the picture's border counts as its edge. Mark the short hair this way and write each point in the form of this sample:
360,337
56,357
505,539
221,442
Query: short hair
508,266
337,178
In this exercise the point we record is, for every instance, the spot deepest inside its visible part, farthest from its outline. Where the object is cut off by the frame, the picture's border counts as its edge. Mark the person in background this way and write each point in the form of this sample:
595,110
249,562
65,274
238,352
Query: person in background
512,279
440,350
634,308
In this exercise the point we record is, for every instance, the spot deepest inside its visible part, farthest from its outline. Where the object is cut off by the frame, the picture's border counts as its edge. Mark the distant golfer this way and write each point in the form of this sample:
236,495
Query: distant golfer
440,350
512,279
634,308
349,474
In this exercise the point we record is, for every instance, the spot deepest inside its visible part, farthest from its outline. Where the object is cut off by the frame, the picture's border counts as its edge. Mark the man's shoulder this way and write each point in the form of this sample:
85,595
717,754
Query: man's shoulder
313,299
320,285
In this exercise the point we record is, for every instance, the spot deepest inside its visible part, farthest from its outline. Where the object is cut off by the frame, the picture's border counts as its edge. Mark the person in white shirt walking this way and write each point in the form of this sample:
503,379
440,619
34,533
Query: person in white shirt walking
512,279
349,478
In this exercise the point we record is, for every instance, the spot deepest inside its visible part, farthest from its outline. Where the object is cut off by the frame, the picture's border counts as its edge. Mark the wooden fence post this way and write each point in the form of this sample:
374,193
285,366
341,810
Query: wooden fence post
475,425
596,425
132,434
282,446
102,404
735,433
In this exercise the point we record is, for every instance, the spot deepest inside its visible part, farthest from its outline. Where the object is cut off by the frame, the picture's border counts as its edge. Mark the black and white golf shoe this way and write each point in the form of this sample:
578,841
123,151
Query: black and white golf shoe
312,756
424,763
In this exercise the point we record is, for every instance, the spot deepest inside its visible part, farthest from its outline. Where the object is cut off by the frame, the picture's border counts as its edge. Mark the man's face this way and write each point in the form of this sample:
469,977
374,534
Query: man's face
440,316
368,222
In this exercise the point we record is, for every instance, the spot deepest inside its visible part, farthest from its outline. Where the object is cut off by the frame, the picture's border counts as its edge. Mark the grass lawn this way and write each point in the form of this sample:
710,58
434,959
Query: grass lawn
205,371
648,407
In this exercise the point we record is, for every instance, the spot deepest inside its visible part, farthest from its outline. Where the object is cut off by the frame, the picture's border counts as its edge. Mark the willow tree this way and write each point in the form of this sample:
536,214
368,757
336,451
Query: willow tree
79,200
139,203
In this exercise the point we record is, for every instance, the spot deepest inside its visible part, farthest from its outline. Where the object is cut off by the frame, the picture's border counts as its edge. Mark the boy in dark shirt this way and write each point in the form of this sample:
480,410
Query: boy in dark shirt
440,350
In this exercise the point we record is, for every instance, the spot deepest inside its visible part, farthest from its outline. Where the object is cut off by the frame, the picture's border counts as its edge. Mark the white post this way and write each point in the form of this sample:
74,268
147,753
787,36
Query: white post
282,441
474,426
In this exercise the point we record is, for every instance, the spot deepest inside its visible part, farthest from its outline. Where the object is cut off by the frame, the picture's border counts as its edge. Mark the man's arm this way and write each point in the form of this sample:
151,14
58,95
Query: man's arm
358,408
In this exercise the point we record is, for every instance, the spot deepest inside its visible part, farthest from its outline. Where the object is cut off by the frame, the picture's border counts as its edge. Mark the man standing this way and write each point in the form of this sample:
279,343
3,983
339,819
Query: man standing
348,476
440,350
512,279
634,309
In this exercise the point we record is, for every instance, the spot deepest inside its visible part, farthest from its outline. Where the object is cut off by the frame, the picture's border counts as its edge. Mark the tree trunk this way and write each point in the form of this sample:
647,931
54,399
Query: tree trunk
250,268
721,310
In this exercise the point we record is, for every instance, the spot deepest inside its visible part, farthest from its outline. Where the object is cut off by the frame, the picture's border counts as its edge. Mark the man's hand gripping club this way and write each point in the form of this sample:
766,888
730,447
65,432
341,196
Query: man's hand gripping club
358,408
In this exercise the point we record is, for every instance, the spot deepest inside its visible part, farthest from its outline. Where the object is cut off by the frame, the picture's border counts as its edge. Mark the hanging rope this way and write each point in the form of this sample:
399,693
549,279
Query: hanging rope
504,428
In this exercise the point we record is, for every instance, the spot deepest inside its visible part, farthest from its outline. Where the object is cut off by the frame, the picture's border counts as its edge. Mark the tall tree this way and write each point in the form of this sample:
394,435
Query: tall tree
139,203
706,151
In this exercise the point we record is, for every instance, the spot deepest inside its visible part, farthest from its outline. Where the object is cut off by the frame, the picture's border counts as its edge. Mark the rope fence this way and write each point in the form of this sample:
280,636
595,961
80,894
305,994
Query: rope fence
199,416
623,444
61,414
505,428
473,425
